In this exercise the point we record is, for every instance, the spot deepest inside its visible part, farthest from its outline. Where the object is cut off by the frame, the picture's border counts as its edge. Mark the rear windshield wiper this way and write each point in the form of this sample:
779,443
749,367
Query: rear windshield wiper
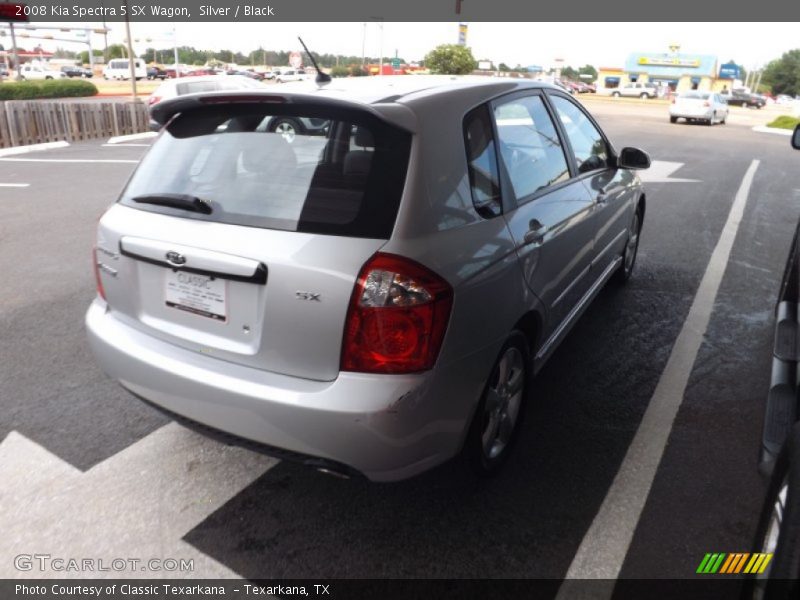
183,201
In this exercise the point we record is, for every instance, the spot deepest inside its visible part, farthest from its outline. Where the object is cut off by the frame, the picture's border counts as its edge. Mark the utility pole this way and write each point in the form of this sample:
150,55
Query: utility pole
14,52
131,57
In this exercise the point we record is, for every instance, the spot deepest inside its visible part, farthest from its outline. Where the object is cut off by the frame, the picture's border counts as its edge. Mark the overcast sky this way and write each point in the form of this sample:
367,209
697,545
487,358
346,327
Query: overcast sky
599,44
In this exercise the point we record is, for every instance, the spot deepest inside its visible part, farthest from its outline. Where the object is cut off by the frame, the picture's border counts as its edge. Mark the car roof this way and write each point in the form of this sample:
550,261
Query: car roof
414,91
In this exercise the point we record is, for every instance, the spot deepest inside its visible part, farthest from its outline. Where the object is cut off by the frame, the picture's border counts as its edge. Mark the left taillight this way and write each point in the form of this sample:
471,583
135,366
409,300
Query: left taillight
96,264
153,100
397,317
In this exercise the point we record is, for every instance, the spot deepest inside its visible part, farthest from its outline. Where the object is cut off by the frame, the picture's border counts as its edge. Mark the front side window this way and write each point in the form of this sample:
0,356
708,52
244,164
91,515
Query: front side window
529,146
588,144
484,180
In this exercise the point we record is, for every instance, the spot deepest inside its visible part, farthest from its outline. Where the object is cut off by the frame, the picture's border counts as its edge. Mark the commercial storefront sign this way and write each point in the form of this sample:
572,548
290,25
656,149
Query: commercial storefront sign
669,62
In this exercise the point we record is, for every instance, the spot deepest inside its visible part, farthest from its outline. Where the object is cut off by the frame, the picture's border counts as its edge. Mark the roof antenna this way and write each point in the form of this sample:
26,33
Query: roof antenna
321,78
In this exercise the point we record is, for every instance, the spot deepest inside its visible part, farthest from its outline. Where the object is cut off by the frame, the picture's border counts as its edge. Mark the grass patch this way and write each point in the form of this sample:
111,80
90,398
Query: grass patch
784,122
53,88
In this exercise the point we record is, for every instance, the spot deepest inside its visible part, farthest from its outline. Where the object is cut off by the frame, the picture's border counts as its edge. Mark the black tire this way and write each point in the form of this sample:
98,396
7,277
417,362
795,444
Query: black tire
48,77
644,96
496,424
287,127
625,271
673,119
615,94
710,121
781,580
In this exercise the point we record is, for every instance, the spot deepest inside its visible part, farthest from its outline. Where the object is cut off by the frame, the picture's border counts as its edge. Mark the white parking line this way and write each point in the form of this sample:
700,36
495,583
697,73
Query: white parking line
32,148
126,145
605,545
67,160
14,185
134,136
139,503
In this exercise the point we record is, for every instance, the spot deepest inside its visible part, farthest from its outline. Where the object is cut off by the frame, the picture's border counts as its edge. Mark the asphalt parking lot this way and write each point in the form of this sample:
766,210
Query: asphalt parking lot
89,469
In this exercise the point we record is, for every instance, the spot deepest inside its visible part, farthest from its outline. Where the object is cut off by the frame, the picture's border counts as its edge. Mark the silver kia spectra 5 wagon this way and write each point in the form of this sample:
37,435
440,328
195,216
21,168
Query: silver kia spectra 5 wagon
372,295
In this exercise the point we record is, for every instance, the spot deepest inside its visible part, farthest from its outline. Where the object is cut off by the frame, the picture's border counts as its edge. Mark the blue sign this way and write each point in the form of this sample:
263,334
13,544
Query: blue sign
534,69
730,71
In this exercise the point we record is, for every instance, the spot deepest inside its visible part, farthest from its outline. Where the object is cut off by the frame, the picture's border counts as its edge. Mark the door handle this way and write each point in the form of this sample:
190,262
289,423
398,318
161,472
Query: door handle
602,198
535,233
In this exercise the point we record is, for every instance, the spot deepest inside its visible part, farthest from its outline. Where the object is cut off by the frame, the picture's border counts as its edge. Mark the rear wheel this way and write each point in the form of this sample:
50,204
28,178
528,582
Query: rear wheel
615,94
673,119
644,96
495,425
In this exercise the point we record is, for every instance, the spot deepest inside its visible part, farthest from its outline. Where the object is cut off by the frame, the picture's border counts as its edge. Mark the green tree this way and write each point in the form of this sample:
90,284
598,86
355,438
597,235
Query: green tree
504,67
451,59
116,51
588,70
84,56
569,73
783,74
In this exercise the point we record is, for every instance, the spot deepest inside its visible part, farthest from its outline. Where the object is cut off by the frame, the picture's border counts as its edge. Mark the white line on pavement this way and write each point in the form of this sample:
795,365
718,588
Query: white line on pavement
126,145
134,136
32,148
14,185
139,503
67,160
606,543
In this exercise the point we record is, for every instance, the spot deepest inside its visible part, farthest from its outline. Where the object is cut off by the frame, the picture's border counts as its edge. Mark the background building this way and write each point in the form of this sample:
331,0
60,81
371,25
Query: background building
676,71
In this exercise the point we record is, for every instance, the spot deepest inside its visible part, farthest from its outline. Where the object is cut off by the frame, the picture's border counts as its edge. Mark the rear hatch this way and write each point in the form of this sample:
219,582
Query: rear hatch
238,241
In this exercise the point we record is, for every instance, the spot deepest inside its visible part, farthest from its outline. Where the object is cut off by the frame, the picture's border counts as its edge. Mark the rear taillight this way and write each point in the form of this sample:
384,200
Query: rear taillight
153,100
673,100
397,317
96,264
706,104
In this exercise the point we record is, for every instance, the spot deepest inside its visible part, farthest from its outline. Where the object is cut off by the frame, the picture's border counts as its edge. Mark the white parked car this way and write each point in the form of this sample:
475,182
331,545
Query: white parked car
705,107
196,84
636,90
40,72
292,75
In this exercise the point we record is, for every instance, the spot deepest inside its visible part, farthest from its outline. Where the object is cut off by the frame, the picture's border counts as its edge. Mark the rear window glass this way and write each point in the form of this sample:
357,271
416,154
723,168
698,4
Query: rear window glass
694,95
330,171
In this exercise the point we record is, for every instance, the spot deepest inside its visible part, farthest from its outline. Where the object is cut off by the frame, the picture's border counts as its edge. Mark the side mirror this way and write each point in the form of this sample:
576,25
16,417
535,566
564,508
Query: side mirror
633,158
796,138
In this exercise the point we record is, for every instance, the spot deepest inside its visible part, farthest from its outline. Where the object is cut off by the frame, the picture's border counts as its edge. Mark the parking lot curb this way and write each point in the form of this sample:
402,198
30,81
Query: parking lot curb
776,130
33,148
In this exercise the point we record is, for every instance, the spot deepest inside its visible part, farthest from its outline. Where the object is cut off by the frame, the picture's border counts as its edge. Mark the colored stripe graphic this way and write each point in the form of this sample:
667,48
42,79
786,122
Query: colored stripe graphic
734,563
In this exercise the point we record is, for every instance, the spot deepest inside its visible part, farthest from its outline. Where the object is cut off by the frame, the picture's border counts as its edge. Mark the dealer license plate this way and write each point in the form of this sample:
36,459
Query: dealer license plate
198,294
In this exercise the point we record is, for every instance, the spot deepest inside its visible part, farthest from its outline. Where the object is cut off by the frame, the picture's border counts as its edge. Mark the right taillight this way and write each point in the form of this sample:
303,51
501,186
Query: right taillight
100,291
397,317
153,100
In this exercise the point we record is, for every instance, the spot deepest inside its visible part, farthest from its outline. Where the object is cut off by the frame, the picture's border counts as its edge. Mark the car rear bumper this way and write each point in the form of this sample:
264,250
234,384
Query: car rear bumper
387,427
691,114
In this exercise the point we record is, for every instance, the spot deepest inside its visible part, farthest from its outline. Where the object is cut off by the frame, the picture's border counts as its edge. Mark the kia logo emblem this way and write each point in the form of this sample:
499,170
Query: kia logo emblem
176,258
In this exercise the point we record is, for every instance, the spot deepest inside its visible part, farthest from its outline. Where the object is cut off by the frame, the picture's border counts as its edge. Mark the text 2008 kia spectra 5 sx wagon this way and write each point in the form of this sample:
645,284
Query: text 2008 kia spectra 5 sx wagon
372,298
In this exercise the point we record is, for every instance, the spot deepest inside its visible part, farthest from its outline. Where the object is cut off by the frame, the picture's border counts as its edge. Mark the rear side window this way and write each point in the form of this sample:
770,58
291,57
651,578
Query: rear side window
484,180
329,171
529,146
